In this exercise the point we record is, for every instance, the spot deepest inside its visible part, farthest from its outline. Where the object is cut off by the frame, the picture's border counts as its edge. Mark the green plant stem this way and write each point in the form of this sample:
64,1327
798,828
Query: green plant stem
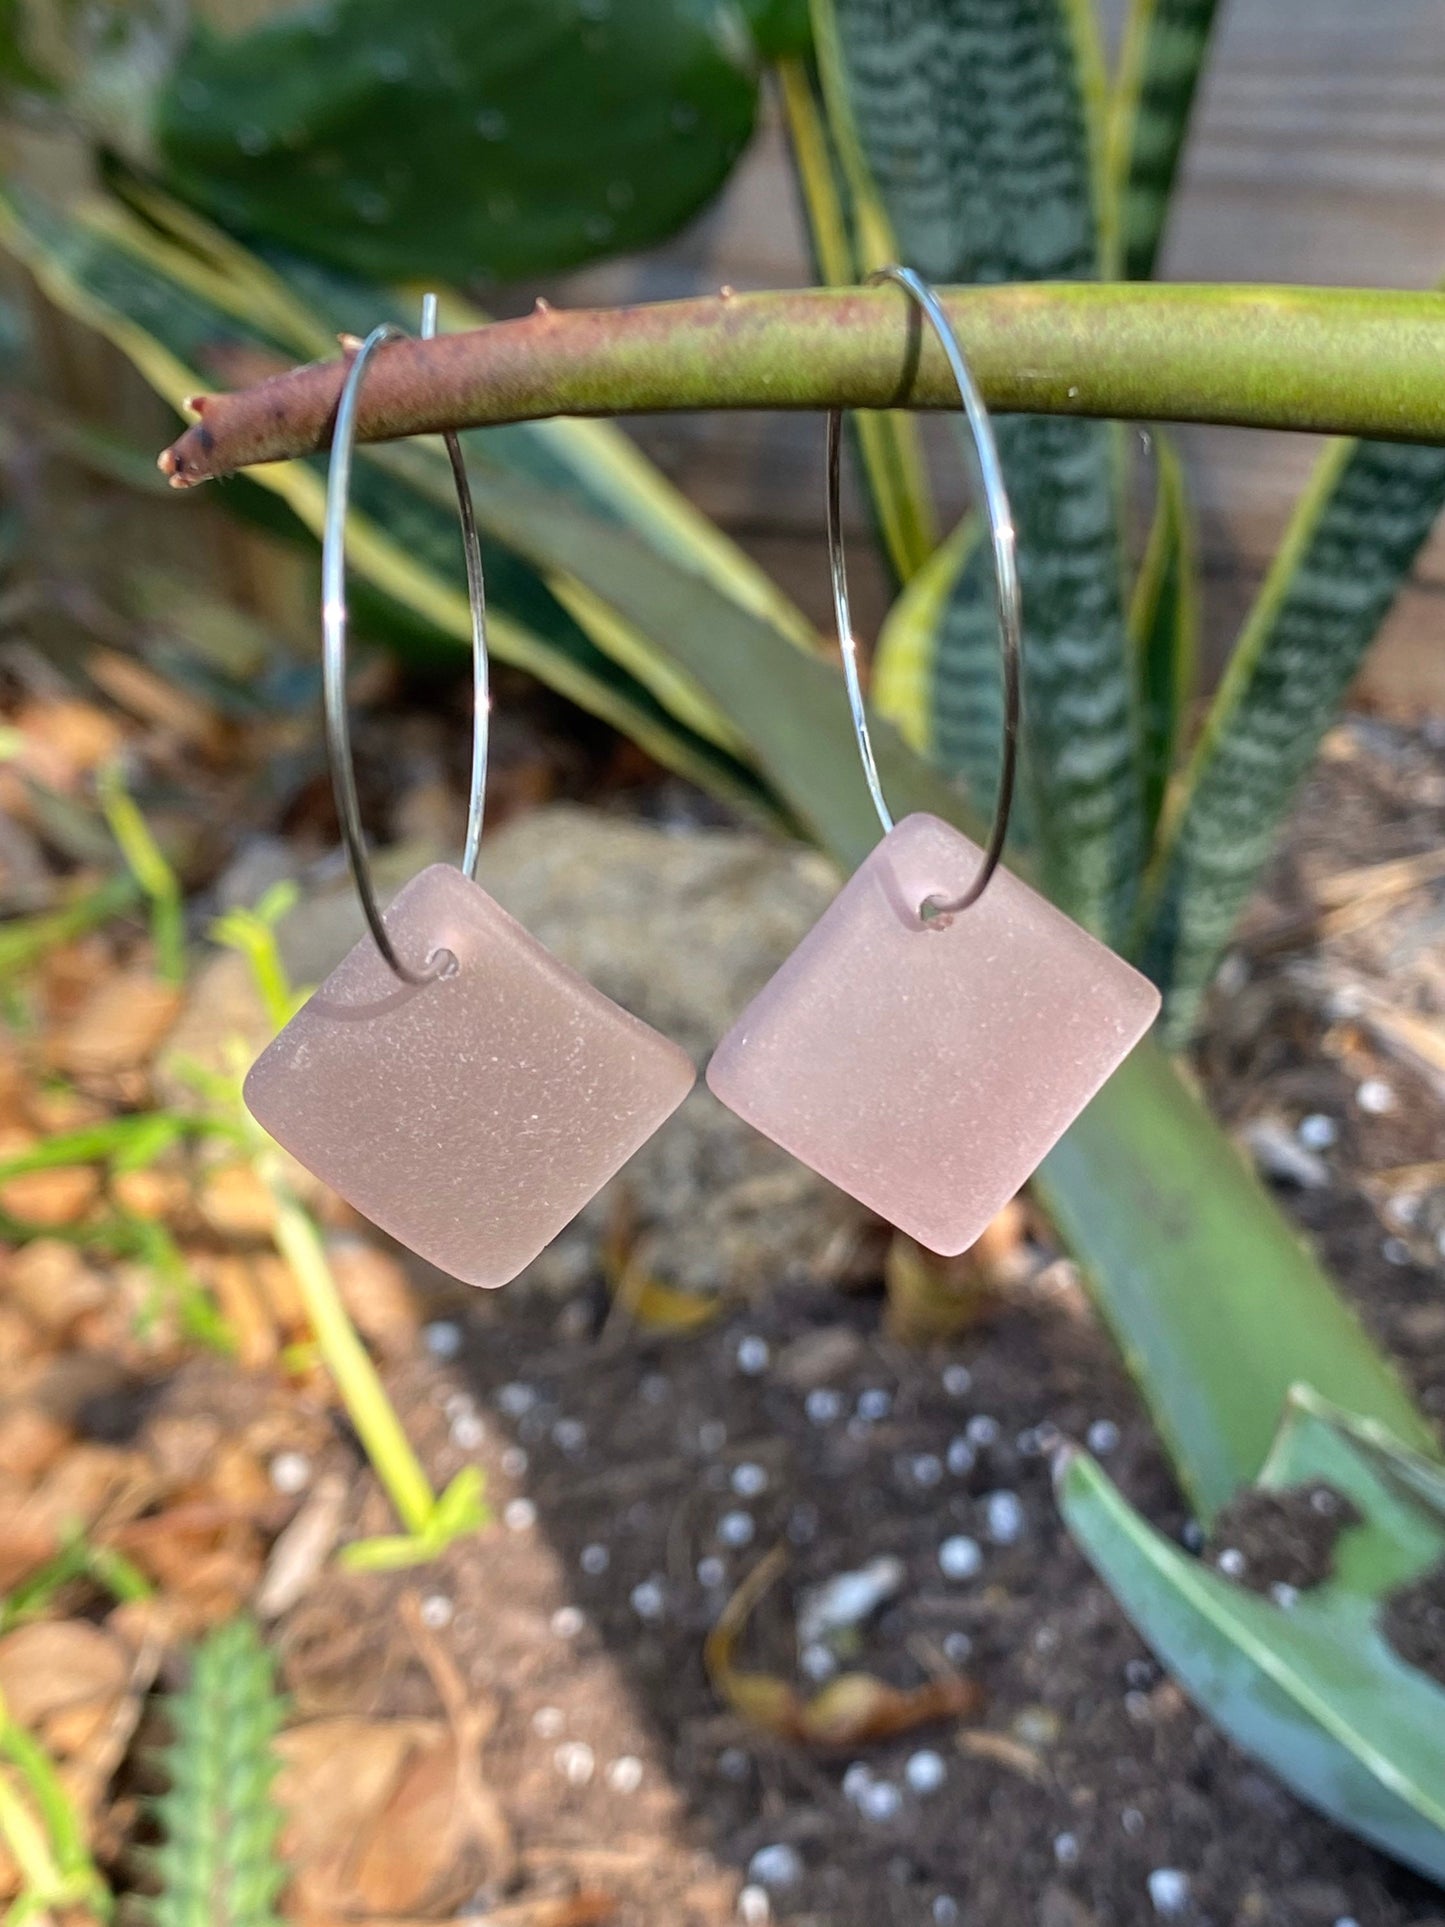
367,1406
1336,360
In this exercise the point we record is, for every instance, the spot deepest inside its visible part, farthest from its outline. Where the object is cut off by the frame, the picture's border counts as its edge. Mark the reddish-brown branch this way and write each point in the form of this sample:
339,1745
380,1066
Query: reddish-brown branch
1338,360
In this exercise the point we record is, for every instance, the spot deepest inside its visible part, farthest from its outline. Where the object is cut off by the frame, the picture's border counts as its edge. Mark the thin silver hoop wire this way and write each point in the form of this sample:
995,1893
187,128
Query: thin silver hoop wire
333,649
1006,588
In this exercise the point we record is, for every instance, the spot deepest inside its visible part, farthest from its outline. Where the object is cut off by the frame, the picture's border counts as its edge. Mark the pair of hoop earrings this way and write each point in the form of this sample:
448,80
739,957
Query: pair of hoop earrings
924,1046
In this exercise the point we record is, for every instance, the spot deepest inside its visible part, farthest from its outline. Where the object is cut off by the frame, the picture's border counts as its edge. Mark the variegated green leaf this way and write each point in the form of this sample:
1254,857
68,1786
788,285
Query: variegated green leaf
977,119
907,650
1307,1683
180,315
1162,57
1164,623
845,249
1354,537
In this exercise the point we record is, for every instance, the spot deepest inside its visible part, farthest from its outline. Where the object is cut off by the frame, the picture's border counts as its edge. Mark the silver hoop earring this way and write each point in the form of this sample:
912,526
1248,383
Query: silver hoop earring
452,1079
923,1059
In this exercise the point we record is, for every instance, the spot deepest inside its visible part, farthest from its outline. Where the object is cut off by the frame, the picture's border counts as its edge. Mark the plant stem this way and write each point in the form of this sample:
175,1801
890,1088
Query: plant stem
362,1392
1336,360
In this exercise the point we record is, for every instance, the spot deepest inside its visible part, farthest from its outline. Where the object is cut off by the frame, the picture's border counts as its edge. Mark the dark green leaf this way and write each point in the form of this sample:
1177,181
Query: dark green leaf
975,121
1164,623
1354,537
1165,46
458,139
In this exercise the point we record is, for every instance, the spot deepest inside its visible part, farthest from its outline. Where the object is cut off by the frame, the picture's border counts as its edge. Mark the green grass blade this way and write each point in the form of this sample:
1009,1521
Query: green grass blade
1311,1688
1164,626
1349,548
980,128
1211,1295
1165,45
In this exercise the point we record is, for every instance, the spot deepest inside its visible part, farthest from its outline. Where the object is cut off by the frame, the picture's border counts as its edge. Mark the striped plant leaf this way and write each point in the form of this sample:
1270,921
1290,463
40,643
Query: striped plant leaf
178,317
1164,625
908,645
1350,546
888,443
978,118
1161,59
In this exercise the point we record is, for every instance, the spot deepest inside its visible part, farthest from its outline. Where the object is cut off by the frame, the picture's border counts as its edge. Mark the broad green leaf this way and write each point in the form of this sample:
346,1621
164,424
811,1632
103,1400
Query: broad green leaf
979,128
454,139
178,317
1164,625
1311,1687
1349,548
889,443
1160,62
1211,1295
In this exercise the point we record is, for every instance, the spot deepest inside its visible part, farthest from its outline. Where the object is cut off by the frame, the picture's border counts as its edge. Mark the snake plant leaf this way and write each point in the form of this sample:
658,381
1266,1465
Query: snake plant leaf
1312,1686
907,649
1164,625
1165,45
1210,1293
1361,523
453,139
848,242
979,125
180,318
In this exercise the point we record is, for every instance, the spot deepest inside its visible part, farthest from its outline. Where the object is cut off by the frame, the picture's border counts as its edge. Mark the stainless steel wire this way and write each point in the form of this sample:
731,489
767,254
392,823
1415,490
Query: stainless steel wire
333,651
993,497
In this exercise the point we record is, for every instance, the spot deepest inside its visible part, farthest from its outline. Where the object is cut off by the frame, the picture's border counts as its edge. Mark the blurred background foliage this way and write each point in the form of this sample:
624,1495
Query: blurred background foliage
219,191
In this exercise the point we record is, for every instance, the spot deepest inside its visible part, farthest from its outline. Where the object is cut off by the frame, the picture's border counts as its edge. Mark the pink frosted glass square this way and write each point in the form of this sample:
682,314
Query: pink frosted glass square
472,1116
926,1068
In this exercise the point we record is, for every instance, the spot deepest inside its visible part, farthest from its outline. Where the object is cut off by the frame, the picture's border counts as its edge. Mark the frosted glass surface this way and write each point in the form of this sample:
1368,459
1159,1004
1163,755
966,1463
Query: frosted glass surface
926,1068
472,1116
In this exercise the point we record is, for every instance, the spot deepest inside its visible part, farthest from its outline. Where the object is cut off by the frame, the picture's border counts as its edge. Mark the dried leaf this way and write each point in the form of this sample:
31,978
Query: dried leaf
850,1711
236,1204
50,1198
336,1781
66,741
119,1027
302,1549
51,1281
64,1680
31,1441
247,1316
932,1298
375,1291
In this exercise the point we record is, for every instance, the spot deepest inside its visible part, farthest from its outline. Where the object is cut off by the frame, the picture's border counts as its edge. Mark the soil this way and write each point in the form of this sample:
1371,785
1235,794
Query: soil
1266,1539
637,1457
1414,1623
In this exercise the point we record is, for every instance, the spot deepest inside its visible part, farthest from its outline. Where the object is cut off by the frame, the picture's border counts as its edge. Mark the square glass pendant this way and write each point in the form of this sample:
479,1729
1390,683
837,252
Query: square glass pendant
926,1067
474,1115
